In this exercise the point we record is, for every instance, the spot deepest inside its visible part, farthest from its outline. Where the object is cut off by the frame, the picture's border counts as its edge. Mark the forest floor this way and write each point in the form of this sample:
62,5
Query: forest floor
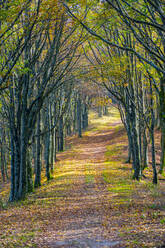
91,201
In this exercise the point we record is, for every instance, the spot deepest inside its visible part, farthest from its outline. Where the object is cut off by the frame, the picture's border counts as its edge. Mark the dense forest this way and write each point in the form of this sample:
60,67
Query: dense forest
59,60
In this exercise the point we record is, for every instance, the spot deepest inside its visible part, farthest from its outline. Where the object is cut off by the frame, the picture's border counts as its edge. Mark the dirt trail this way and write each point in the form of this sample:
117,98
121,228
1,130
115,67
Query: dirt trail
92,201
83,205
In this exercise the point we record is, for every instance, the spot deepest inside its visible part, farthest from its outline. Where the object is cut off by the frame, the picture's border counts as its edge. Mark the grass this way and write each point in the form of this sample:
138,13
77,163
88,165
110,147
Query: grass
105,121
113,150
89,174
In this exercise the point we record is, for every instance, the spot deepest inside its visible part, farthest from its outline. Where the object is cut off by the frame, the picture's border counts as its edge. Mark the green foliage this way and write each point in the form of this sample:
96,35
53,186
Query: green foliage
162,221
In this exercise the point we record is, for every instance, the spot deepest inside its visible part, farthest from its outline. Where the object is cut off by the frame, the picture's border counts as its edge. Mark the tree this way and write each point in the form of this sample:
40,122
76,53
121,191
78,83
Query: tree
12,36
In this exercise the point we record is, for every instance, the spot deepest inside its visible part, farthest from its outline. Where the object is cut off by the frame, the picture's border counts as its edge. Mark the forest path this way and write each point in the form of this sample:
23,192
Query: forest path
92,201
80,212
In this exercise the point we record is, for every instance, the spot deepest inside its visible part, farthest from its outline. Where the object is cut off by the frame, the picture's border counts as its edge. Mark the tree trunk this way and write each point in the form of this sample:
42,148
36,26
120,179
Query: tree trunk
145,151
23,162
52,151
47,144
137,167
79,124
29,186
37,182
162,122
85,117
2,164
100,112
130,145
105,110
155,180
34,155
52,141
5,154
61,134
16,167
75,118
12,178
55,144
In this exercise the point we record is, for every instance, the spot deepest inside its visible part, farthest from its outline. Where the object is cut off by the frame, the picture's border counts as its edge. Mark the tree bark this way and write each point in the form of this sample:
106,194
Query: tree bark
79,124
155,180
47,143
37,182
29,186
162,122
61,134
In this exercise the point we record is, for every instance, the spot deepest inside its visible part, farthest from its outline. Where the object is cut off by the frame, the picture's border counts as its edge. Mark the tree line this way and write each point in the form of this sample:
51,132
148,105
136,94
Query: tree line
41,100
